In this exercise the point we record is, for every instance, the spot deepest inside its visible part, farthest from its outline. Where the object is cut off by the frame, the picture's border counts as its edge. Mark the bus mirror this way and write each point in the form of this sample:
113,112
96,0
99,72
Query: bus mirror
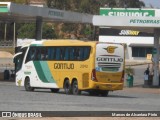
15,57
14,60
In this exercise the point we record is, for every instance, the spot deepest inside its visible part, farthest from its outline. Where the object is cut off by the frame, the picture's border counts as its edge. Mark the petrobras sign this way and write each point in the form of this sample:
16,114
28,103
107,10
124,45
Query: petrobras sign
145,21
127,12
115,21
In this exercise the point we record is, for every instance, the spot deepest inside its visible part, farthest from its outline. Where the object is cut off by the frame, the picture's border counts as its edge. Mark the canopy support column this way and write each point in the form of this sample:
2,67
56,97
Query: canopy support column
14,34
39,23
156,57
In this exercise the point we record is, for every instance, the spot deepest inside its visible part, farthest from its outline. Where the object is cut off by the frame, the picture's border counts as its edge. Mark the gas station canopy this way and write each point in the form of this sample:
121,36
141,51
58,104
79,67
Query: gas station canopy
147,20
10,12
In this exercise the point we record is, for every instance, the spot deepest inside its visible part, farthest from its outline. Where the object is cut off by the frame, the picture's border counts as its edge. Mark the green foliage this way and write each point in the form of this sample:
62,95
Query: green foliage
48,32
20,1
130,70
83,6
90,7
26,30
68,27
87,31
131,3
16,1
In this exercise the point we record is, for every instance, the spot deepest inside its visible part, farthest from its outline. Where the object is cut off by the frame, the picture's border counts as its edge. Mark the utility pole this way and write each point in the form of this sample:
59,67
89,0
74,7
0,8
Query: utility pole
156,57
14,35
5,31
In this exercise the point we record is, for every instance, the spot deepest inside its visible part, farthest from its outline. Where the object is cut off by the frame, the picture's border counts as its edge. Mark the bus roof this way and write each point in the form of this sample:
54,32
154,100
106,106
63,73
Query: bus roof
65,42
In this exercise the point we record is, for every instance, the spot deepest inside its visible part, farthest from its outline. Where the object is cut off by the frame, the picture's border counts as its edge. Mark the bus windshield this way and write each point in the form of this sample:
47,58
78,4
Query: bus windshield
18,59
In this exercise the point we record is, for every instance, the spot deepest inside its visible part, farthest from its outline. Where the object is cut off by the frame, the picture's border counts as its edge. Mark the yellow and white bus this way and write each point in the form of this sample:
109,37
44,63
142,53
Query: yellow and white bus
75,66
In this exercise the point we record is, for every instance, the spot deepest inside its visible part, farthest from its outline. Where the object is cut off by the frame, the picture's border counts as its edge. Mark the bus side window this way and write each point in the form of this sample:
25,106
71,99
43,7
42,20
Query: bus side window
81,53
57,53
30,55
86,53
62,53
38,55
54,53
66,53
77,54
71,53
44,54
50,55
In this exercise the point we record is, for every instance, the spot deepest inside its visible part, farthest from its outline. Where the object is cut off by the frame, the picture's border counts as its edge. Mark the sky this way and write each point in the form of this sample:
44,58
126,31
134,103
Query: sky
154,3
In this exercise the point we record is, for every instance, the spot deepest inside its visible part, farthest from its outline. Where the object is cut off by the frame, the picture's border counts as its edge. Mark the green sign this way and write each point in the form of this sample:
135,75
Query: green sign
3,8
126,12
154,51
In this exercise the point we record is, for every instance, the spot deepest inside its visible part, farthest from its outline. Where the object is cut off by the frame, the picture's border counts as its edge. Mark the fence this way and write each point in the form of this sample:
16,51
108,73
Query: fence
7,43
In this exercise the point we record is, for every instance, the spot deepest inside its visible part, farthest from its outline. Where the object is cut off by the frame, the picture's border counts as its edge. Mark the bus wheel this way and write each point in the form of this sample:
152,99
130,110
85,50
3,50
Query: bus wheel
67,87
27,85
75,89
54,90
104,93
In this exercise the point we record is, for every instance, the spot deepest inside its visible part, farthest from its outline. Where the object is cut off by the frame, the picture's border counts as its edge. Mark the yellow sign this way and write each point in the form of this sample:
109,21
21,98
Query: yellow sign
149,56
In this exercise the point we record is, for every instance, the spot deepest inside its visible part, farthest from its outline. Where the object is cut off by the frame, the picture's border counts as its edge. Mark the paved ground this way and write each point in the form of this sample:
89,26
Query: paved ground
130,99
136,89
143,90
146,92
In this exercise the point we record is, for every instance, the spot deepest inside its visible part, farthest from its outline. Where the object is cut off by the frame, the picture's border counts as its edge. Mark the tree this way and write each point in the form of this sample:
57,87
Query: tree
16,1
86,6
83,6
130,3
26,30
48,31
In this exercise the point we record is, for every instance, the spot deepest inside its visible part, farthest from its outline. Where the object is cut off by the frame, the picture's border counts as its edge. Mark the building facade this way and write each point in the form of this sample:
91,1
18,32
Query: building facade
138,44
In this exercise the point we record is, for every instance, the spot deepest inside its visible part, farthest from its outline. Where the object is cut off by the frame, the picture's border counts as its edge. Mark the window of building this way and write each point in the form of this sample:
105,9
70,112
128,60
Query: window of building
141,51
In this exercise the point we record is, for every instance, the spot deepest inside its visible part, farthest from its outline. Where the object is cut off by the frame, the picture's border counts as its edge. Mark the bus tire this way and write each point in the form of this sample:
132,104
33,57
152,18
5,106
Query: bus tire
27,85
75,89
67,87
54,90
104,93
